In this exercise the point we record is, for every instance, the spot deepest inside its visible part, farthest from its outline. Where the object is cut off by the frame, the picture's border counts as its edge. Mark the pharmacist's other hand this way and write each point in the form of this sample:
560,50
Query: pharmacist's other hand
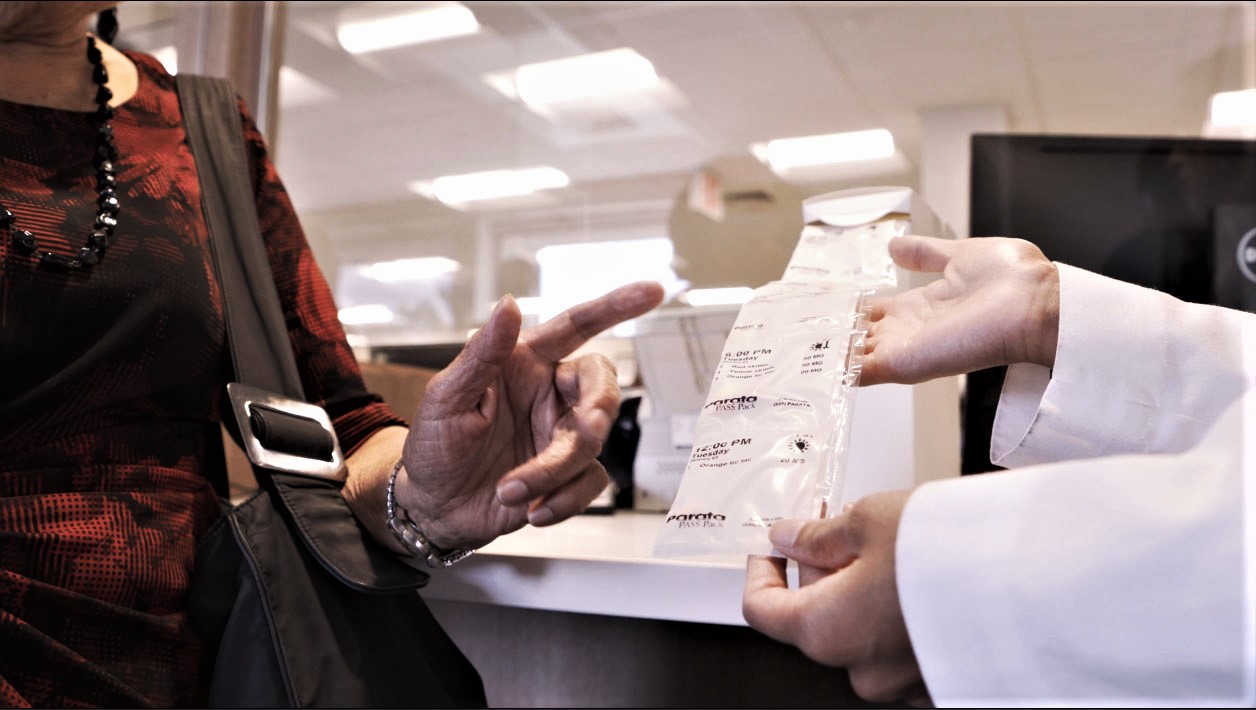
997,303
510,432
848,616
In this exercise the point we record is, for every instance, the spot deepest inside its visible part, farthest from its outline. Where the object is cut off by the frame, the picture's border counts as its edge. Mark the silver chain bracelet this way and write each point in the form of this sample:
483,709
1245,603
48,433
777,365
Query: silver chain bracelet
409,534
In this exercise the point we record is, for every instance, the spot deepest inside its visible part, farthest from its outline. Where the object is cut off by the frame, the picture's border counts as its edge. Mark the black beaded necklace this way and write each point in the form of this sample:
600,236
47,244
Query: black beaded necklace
106,200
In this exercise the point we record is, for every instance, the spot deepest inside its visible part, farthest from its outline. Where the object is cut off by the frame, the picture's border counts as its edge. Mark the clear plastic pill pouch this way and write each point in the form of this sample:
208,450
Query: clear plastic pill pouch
770,439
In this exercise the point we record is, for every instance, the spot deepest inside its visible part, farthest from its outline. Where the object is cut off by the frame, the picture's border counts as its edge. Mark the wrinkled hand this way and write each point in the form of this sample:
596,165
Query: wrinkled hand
847,613
510,432
997,303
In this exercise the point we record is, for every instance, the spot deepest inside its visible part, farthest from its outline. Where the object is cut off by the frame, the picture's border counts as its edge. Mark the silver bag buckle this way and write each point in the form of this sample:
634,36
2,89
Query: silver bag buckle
286,435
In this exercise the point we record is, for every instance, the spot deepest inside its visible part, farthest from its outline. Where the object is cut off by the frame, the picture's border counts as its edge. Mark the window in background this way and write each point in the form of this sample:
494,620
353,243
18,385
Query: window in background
571,273
386,301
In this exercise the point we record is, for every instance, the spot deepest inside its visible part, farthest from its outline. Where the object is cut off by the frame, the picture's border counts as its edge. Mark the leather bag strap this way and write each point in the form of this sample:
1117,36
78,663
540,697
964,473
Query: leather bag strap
261,353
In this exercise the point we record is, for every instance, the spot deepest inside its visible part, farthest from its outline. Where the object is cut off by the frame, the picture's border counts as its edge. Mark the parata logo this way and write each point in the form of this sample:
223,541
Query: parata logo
733,404
697,520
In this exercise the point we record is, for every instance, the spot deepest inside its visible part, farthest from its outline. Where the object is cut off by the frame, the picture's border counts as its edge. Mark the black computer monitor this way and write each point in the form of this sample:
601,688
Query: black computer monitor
1173,214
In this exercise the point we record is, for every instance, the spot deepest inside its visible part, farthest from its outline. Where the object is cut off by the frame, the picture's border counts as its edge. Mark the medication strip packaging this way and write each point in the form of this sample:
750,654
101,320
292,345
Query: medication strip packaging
771,438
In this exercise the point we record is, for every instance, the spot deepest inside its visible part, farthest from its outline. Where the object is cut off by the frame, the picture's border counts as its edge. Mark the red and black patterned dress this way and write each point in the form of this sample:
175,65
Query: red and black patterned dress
110,380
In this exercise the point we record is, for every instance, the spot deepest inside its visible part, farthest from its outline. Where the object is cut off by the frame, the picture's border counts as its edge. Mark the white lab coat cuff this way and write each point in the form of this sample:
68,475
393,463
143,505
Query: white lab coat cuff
1129,376
1024,388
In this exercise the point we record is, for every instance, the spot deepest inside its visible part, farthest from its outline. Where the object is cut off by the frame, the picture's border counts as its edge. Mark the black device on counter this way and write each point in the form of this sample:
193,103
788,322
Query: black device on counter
620,450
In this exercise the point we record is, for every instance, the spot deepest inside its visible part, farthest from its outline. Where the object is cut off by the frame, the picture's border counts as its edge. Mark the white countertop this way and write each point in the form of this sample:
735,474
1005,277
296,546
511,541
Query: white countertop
596,564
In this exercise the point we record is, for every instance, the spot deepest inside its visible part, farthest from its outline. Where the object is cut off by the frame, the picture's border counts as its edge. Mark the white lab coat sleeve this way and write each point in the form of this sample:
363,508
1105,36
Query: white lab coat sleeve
1115,581
1136,371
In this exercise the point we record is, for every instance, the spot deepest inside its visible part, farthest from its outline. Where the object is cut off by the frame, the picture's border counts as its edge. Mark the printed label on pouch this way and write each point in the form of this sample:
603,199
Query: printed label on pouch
719,453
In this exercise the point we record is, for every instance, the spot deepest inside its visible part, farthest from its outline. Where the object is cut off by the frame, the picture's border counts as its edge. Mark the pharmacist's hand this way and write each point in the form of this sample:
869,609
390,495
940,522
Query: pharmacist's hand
997,303
848,615
510,432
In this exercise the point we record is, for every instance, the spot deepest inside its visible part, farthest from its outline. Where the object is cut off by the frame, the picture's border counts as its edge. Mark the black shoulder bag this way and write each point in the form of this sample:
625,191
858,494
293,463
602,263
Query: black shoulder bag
298,606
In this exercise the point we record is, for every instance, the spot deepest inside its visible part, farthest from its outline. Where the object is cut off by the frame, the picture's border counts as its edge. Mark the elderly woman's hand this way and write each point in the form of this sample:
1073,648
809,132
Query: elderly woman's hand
510,432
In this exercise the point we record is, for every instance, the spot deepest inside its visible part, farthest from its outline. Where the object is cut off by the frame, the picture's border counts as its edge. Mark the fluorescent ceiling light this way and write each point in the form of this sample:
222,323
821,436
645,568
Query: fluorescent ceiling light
1233,108
587,76
787,153
717,296
420,269
400,29
365,315
457,189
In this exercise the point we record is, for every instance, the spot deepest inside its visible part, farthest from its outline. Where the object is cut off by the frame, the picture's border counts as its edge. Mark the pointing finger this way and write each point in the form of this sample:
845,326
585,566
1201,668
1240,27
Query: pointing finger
559,337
